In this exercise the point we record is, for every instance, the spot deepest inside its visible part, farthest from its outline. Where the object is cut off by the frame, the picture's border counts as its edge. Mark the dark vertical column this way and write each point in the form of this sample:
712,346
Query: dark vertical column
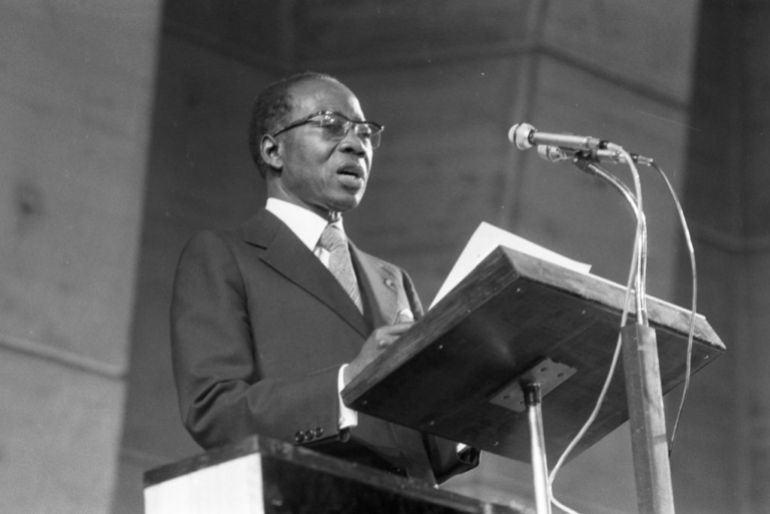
727,197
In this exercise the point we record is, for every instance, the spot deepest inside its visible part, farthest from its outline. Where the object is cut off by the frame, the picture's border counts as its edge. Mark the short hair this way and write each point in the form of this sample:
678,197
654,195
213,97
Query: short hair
270,109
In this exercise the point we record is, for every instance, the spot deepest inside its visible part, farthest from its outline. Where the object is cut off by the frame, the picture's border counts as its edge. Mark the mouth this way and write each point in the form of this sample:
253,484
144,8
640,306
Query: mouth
352,171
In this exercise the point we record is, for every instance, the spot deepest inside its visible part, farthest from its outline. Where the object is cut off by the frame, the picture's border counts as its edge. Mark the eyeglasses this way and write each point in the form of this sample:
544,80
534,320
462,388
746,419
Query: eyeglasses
336,126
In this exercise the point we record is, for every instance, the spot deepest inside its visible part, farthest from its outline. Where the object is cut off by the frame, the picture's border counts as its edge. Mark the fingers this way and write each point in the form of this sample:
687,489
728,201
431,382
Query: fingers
377,342
404,316
383,337
396,329
385,340
387,335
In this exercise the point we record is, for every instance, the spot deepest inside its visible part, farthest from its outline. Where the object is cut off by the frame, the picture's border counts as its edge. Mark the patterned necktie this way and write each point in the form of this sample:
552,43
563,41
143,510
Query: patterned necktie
333,240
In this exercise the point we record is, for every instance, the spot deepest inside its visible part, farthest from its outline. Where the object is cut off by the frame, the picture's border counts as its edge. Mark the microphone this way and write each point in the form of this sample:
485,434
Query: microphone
525,136
556,154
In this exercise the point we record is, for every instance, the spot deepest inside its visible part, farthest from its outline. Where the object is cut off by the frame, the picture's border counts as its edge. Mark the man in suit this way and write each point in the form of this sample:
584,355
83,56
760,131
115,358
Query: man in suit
270,320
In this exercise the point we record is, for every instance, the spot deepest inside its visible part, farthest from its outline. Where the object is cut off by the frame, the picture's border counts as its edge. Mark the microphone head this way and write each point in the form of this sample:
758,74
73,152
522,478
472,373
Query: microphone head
519,135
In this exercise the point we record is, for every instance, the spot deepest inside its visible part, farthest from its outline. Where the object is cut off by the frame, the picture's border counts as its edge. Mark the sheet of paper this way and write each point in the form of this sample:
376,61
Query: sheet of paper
486,238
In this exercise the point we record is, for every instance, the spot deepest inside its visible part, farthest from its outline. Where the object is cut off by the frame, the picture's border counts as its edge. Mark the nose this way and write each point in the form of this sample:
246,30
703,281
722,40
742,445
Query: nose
354,144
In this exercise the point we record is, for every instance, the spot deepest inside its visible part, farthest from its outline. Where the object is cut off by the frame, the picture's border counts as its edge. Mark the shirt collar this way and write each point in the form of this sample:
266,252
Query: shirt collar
305,224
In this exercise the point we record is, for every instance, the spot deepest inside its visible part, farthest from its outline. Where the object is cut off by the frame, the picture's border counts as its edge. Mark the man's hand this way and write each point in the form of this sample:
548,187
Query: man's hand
377,342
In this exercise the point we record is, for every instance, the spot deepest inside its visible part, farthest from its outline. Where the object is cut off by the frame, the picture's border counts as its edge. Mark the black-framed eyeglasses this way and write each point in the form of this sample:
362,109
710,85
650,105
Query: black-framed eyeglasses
336,126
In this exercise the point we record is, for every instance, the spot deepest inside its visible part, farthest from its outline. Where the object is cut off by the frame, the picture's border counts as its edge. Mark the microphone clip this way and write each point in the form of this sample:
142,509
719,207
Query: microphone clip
612,154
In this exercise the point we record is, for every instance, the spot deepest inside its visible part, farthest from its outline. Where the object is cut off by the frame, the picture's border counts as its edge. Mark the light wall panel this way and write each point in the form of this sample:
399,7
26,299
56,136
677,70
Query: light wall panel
75,98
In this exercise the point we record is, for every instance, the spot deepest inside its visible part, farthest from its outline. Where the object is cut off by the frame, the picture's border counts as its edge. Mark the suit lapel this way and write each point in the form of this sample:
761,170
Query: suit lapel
379,285
285,253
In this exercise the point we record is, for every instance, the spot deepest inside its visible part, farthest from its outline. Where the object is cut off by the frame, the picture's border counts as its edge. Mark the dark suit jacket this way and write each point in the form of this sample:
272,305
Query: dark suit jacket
259,330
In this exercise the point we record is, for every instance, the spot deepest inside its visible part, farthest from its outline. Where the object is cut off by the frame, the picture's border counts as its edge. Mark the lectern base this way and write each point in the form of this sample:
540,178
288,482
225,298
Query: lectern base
263,476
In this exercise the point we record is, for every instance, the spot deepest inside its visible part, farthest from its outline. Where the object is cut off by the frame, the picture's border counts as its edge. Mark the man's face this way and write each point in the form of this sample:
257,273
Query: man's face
320,173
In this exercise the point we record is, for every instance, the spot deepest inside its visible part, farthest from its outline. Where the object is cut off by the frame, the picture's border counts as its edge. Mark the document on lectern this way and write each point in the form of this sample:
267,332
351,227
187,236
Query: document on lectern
486,238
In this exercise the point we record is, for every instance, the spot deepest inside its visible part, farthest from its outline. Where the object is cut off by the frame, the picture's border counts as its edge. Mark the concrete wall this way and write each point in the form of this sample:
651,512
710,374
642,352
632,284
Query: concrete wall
75,97
728,198
199,176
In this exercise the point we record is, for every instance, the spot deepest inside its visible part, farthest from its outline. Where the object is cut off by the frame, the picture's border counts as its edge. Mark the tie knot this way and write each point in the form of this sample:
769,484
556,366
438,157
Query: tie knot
332,238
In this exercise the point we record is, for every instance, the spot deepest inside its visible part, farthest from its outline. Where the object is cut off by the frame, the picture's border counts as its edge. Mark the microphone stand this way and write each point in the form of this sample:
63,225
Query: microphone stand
533,400
642,375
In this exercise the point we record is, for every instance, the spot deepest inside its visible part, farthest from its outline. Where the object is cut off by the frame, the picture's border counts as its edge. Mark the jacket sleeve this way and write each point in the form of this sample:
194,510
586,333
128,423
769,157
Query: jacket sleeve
222,392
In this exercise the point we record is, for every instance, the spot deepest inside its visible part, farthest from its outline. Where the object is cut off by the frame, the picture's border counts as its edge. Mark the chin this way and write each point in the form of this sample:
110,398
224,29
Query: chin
345,204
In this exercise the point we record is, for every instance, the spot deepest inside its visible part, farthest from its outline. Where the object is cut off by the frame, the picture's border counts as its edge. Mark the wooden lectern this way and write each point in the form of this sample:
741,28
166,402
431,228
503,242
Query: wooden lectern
458,372
265,476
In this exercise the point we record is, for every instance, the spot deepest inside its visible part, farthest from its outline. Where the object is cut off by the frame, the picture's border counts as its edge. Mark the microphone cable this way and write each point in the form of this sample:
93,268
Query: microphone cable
693,304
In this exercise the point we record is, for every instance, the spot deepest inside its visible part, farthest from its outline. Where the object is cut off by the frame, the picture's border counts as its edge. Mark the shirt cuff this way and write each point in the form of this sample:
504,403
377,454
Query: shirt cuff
348,417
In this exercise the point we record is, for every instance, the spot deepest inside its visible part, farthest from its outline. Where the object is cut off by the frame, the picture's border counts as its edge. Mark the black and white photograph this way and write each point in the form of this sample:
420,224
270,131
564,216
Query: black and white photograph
385,256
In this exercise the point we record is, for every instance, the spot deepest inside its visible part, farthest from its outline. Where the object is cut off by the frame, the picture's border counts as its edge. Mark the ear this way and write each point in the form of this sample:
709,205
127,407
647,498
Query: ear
269,149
